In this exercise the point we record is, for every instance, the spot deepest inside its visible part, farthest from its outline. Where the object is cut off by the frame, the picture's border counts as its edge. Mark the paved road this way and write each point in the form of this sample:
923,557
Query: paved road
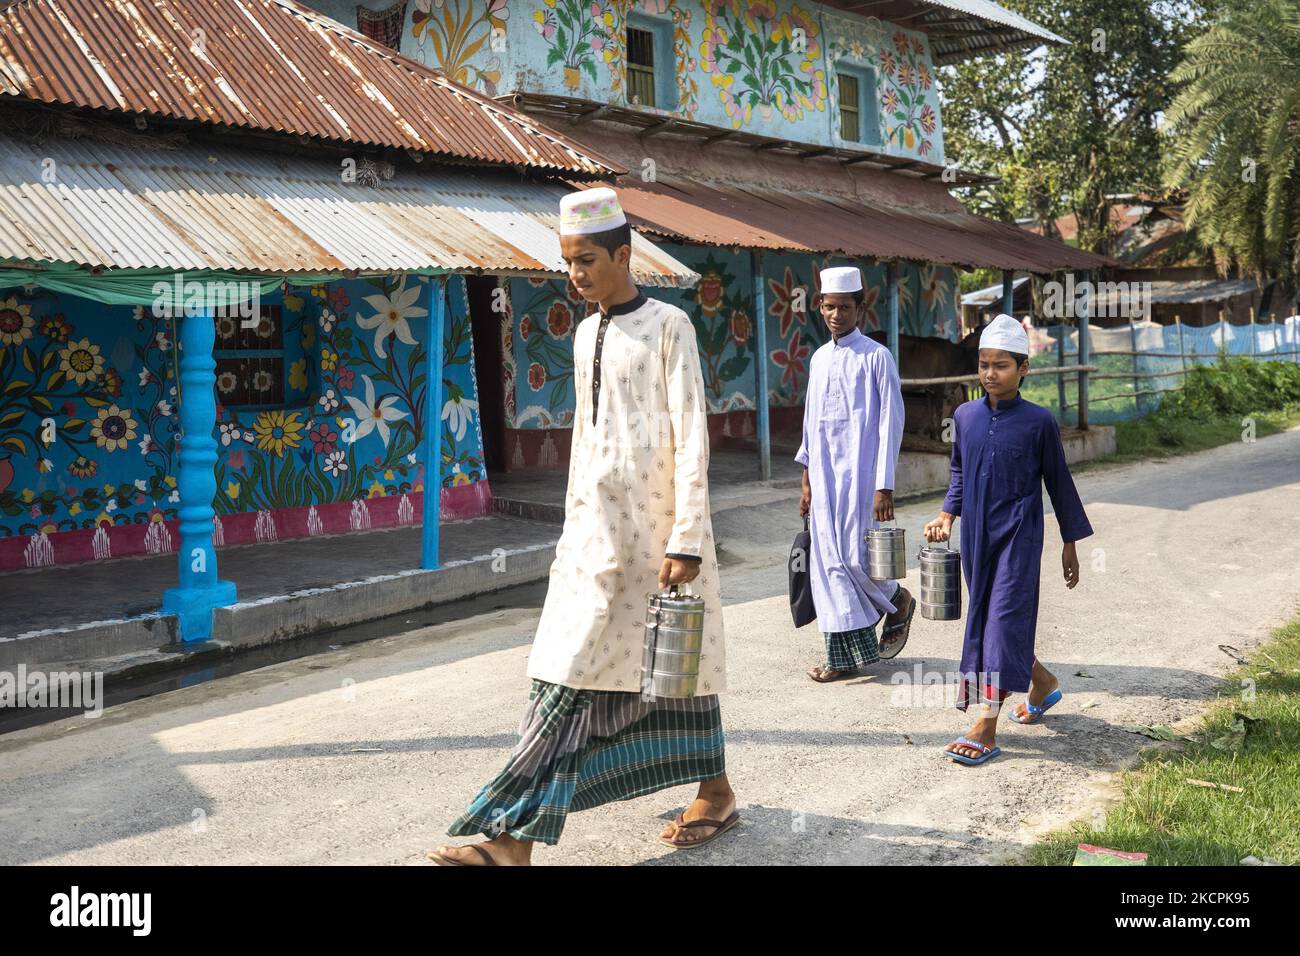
363,755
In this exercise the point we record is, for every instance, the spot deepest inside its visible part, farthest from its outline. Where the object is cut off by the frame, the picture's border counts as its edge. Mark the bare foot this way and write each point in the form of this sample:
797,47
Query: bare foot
504,851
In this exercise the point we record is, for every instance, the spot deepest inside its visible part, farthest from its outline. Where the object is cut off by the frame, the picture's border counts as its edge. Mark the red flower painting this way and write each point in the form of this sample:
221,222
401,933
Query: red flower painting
791,359
559,320
536,376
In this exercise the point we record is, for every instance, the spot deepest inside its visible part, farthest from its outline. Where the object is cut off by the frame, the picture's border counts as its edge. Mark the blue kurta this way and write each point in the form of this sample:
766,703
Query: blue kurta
1001,459
852,430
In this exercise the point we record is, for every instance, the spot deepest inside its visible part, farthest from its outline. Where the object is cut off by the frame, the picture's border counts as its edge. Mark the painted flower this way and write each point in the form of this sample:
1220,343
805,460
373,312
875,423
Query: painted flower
164,408
459,413
344,378
113,428
338,298
44,466
226,382
326,321
559,320
544,23
526,327
374,415
791,359
232,490
81,362
786,296
230,432
739,327
235,459
277,431
15,321
146,377
710,294
905,71
927,118
308,337
83,467
900,42
329,401
74,509
147,445
265,327
162,342
887,62
536,376
328,360
376,489
934,288
335,463
55,327
917,46
923,74
322,439
112,382
391,315
869,298
226,327
262,381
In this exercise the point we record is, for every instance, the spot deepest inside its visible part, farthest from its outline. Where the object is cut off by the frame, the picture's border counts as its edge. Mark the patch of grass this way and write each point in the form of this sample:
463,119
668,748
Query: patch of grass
1249,743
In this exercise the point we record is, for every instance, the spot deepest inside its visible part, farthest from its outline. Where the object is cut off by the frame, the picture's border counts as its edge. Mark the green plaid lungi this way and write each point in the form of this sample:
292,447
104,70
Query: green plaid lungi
849,650
580,748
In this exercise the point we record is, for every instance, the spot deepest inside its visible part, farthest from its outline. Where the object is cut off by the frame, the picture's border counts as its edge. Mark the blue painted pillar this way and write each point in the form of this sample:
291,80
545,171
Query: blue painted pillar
199,590
760,366
1008,292
434,330
891,307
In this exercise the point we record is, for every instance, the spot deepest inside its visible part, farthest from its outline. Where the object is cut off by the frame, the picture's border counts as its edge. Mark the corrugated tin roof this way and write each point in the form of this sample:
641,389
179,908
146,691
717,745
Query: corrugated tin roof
730,214
262,64
957,29
990,295
116,207
1189,291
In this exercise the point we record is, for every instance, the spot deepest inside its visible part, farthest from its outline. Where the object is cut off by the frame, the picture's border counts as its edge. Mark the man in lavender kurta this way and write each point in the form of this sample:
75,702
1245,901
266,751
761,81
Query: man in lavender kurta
852,430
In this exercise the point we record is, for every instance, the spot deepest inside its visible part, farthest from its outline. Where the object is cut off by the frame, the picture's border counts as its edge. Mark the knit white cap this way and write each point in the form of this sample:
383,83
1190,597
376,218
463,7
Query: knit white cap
1007,334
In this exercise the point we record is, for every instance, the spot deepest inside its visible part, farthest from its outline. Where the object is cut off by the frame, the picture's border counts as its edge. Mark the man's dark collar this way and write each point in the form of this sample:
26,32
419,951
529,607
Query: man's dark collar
631,305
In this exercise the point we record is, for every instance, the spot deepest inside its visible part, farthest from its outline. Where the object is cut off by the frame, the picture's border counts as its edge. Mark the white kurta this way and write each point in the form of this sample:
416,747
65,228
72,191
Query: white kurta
638,489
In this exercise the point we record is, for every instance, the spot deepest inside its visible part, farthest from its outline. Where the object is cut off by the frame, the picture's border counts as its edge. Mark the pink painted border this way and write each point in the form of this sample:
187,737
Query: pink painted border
78,547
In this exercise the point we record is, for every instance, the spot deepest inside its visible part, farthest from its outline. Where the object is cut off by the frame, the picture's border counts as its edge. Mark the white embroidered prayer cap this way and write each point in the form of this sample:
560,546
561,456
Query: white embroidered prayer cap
1007,334
591,210
841,279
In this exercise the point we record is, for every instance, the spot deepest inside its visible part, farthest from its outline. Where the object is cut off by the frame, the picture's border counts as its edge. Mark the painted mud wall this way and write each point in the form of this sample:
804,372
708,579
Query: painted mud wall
106,378
538,339
767,66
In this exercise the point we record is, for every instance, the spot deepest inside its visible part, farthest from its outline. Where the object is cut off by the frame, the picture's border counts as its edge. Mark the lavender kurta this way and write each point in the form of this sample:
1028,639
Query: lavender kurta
1000,461
852,430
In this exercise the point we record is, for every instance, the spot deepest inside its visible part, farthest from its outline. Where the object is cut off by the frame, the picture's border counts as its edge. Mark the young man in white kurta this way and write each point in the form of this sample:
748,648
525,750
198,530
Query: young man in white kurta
638,491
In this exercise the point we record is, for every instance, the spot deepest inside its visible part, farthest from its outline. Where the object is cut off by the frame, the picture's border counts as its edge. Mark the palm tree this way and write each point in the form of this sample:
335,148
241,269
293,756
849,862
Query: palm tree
1235,137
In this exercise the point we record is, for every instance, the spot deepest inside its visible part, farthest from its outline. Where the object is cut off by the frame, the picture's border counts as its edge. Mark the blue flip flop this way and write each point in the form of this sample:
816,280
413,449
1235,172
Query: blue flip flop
1036,712
987,755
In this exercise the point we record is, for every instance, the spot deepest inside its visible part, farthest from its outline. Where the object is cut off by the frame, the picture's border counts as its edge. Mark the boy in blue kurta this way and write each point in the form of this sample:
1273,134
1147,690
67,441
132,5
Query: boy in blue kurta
1004,451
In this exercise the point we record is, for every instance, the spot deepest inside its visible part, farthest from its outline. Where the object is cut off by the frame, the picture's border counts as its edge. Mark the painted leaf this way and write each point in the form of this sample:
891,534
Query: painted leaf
48,359
96,402
11,417
13,441
27,361
15,386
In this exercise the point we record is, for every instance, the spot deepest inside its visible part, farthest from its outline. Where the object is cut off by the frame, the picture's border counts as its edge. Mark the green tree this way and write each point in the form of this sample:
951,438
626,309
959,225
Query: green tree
1234,133
1064,126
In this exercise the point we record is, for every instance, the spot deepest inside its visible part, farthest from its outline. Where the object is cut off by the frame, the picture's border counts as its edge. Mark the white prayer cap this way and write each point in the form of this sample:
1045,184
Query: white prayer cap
1007,334
591,210
841,279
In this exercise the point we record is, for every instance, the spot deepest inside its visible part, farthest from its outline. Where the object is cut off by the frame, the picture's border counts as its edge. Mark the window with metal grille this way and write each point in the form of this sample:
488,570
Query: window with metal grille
850,111
251,361
383,26
641,67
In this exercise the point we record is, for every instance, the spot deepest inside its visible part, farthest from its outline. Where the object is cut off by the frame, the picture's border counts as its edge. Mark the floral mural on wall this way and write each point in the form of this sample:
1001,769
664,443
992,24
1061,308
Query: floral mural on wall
87,415
684,60
908,115
758,63
459,35
546,313
107,376
576,31
722,312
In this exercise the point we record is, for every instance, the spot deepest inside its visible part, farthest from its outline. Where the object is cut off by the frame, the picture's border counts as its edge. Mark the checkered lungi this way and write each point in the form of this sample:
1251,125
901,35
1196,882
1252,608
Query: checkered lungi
849,650
580,748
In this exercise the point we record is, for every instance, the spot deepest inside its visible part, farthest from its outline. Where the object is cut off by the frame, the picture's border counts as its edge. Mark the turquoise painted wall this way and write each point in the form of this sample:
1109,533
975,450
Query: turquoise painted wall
741,64
106,376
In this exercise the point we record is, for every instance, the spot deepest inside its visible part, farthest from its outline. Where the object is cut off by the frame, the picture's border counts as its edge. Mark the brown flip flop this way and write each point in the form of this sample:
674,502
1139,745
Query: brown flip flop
722,827
903,629
839,675
441,860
